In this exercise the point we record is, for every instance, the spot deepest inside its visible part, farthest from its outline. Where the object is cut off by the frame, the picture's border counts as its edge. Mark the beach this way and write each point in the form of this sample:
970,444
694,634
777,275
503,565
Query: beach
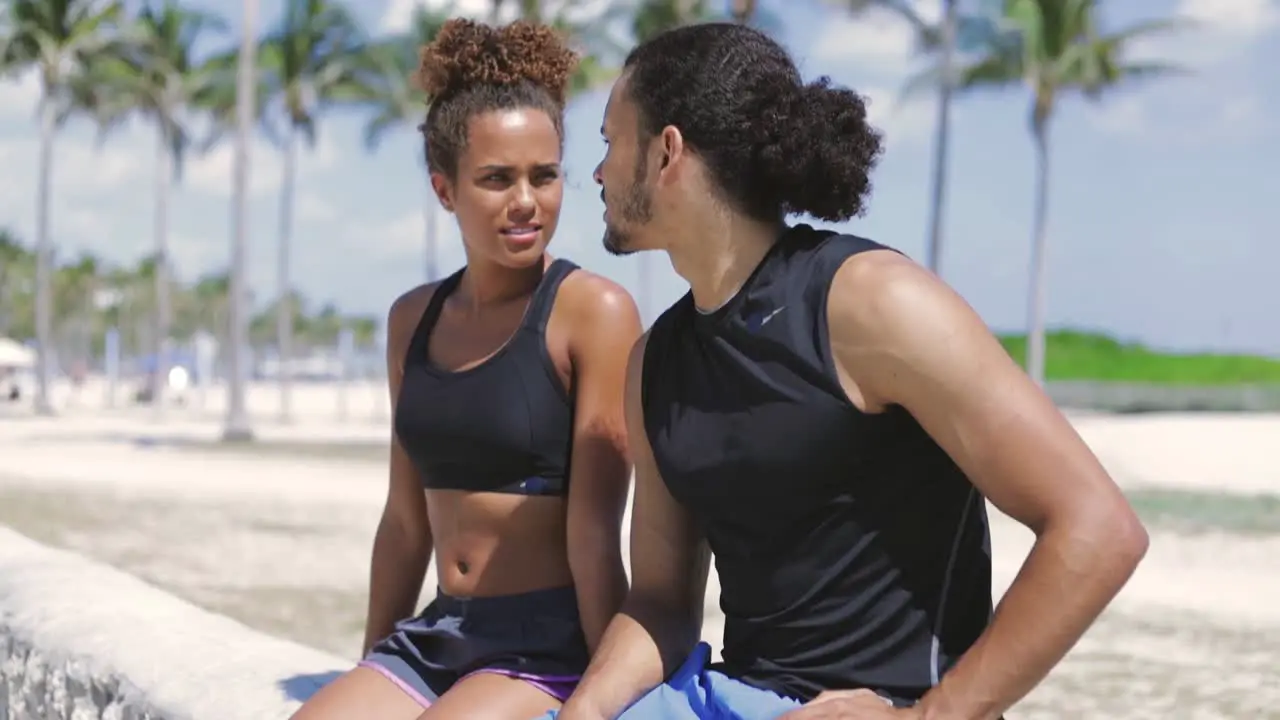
277,535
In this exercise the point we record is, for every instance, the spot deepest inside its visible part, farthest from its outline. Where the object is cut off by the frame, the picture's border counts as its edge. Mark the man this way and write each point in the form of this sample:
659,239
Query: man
828,417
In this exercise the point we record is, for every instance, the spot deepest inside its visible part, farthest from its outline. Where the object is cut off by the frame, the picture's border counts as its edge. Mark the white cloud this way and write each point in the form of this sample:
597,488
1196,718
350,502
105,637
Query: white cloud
877,40
1241,112
881,39
1120,116
194,253
901,122
1226,118
1215,47
1239,18
82,173
875,52
400,12
18,96
877,37
314,209
404,237
1220,32
79,167
212,173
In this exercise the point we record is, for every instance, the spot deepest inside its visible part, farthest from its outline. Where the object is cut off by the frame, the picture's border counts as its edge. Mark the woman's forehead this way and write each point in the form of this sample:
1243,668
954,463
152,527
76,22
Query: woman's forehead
512,138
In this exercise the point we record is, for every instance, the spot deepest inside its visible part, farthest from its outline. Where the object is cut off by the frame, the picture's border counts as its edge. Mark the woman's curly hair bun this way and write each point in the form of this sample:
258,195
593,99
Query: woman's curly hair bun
467,54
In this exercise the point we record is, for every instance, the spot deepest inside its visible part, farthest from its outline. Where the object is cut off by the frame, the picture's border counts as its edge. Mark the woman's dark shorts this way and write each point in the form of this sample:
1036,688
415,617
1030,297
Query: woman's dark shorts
536,637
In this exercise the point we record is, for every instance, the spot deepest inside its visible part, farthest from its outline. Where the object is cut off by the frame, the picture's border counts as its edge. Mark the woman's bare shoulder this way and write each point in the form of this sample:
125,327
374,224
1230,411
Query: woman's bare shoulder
590,298
406,312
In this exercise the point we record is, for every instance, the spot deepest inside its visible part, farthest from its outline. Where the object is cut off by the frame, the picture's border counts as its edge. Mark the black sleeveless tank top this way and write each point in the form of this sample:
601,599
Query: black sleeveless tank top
505,425
852,552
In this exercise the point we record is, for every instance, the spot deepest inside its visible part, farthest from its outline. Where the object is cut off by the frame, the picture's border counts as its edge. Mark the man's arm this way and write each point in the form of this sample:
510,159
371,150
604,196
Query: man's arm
661,619
605,326
902,337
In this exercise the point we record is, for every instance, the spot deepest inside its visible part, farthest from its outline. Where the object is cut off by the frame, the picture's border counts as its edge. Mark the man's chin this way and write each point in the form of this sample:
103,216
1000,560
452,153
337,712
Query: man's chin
617,244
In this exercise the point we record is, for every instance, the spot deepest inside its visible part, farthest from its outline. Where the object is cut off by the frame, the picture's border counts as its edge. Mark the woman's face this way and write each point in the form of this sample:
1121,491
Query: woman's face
508,186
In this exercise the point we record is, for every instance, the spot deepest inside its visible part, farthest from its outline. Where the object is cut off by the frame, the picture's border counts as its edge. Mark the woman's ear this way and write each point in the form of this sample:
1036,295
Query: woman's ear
443,189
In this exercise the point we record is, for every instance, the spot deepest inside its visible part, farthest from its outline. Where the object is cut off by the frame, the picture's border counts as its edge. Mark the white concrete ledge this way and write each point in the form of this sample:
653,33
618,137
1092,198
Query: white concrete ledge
81,640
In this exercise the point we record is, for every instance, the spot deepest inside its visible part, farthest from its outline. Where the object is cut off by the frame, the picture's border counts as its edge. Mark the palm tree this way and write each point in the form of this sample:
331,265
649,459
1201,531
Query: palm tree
313,61
238,427
650,17
157,78
209,300
59,38
17,283
397,102
942,134
938,41
75,285
1053,48
653,17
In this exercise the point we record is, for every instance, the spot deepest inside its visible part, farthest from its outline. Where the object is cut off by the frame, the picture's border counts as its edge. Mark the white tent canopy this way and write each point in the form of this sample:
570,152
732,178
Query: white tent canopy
15,355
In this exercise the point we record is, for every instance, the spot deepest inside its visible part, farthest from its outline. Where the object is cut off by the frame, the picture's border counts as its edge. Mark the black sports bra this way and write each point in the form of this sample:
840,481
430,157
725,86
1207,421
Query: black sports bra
505,425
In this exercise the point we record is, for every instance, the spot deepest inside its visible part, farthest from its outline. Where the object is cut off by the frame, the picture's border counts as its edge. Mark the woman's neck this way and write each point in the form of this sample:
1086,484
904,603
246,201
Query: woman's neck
486,284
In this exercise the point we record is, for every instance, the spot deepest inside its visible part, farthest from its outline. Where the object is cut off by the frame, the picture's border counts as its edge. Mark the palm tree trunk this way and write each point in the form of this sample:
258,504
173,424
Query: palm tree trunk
1039,258
432,238
237,425
644,268
164,170
44,258
284,308
942,132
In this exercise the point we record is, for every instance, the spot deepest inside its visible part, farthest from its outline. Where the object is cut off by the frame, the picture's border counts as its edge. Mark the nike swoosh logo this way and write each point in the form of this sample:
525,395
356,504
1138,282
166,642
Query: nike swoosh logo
769,317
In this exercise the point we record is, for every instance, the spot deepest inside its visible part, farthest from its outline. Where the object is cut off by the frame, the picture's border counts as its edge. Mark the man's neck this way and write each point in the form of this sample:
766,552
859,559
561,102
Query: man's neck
718,255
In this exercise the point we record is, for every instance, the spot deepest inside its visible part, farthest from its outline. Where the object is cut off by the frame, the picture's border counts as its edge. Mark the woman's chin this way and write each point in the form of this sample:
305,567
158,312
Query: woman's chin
521,253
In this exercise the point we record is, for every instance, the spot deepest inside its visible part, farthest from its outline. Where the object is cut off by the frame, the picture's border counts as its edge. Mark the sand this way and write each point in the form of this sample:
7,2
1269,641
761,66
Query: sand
278,536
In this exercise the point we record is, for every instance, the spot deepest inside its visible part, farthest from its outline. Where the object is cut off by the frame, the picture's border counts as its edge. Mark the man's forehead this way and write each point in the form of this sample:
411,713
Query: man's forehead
619,106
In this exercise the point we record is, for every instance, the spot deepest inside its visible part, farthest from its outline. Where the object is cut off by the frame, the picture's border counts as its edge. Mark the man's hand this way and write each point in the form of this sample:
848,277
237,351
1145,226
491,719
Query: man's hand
850,705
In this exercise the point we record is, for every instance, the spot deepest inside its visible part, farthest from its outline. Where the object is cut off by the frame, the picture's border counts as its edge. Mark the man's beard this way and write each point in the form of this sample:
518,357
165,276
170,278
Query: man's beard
635,209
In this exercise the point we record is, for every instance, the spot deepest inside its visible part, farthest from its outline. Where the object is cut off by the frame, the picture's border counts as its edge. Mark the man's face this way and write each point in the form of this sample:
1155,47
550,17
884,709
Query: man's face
623,176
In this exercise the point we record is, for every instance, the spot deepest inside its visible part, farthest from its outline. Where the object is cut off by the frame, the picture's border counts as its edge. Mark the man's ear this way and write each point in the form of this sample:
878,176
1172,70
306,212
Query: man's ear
673,153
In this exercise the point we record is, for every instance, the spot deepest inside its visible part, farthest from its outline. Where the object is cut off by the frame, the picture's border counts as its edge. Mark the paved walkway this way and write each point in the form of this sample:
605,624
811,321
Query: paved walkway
278,536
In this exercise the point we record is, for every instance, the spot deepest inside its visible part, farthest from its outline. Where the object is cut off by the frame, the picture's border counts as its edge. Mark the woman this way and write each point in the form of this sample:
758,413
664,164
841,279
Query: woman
508,457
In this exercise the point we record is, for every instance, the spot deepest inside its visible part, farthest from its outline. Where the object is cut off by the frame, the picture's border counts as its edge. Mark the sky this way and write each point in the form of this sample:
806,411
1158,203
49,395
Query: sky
1164,204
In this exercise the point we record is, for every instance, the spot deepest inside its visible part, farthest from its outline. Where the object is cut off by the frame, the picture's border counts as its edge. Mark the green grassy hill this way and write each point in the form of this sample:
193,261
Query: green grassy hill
1074,355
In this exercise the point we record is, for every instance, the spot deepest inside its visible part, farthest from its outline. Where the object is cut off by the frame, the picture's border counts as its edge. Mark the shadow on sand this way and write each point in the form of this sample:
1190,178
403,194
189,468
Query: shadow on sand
302,687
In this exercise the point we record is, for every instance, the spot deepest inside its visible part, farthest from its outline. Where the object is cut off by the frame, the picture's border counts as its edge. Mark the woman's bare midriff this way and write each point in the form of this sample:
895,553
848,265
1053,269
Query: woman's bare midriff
490,544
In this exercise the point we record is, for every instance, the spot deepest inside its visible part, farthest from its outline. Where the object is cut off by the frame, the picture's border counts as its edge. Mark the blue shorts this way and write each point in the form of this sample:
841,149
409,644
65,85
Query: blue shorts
695,693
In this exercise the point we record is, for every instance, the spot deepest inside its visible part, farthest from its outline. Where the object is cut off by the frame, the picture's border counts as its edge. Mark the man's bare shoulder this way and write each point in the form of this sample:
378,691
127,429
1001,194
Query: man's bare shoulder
883,296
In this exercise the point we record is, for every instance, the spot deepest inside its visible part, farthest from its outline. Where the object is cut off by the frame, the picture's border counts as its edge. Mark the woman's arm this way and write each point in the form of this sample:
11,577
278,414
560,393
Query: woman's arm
661,619
604,326
402,544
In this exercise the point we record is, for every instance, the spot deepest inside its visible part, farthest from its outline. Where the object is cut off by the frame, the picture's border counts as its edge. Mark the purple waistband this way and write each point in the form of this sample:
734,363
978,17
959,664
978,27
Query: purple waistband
559,687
